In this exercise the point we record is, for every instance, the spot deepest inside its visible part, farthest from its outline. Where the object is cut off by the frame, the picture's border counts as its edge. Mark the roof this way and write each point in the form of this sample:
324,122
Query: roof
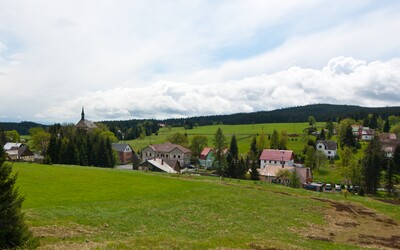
204,153
329,145
168,147
86,124
387,136
368,131
272,170
10,145
120,147
164,165
276,155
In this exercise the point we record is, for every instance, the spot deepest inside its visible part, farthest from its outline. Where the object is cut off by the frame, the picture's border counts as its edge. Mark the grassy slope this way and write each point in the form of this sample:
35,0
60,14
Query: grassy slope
244,134
77,207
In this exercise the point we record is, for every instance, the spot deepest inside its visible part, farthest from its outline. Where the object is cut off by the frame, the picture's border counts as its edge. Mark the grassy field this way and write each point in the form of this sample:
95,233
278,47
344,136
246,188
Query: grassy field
70,207
244,134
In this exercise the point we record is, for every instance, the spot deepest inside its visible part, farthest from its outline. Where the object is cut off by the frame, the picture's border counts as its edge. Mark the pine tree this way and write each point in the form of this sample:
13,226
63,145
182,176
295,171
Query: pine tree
241,169
386,127
390,179
274,143
254,175
14,233
253,147
372,165
219,147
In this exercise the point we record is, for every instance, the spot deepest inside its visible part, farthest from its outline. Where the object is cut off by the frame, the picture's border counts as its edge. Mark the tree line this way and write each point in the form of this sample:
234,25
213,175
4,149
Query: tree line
69,145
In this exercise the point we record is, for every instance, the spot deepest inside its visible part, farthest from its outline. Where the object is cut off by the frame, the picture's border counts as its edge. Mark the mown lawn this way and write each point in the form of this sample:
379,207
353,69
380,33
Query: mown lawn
84,207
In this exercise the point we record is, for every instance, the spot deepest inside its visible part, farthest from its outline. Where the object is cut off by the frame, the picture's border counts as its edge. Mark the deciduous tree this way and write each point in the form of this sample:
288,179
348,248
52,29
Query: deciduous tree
220,144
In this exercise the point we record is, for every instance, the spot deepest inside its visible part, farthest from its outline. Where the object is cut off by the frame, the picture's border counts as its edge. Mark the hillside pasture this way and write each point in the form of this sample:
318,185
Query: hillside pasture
244,134
86,208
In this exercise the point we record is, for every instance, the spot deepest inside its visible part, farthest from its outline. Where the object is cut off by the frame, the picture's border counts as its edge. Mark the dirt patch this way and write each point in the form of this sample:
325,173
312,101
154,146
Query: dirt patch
284,193
64,232
394,202
351,223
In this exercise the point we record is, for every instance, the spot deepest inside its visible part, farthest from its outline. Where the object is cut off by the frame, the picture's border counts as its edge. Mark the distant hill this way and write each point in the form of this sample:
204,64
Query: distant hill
21,127
321,112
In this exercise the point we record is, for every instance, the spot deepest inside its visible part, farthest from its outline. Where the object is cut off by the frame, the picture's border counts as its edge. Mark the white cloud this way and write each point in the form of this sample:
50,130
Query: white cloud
344,80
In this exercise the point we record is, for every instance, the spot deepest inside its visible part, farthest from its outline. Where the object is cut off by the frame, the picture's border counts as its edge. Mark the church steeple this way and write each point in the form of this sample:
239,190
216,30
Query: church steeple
83,114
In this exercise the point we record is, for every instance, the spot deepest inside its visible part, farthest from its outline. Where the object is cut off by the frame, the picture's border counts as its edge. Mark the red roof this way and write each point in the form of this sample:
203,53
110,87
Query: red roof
276,155
204,153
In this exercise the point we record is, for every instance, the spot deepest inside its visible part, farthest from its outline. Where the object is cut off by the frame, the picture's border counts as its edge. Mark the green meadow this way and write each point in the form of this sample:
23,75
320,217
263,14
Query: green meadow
71,207
244,134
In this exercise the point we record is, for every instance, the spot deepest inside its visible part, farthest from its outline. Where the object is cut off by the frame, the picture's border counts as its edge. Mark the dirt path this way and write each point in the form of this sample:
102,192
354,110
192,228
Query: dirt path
355,224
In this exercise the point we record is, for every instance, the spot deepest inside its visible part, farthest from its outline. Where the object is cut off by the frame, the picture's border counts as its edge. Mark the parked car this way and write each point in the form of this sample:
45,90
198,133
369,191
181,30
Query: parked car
328,187
338,187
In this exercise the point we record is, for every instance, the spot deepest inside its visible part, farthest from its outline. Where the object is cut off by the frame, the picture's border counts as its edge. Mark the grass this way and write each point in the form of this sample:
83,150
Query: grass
84,207
244,134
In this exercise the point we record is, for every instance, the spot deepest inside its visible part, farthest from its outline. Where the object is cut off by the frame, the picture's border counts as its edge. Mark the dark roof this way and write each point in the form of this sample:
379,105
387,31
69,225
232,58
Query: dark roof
329,145
120,147
24,151
86,124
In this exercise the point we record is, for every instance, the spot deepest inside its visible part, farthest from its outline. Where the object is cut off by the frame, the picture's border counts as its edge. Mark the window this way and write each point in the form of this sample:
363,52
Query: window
179,156
320,146
329,152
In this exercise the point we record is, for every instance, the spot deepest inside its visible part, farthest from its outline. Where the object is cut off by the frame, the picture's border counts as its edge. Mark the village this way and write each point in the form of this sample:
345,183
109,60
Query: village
278,164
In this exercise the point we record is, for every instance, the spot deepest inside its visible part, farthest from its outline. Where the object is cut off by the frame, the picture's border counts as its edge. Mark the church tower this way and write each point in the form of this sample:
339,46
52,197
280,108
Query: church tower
83,114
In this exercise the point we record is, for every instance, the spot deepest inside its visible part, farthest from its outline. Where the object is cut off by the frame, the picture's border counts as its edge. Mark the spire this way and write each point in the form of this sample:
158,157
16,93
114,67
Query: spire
83,115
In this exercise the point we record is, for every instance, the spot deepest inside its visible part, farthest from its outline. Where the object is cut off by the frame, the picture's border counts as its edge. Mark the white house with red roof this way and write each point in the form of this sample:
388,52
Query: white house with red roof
276,157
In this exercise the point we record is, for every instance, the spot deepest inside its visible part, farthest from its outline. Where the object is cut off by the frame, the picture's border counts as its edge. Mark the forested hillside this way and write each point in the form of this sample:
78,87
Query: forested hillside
321,112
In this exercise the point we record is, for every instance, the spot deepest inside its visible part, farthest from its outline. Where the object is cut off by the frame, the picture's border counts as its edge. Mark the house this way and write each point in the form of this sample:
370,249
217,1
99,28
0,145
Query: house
328,147
389,143
367,134
160,165
85,124
270,173
124,151
167,151
276,157
356,130
206,158
19,152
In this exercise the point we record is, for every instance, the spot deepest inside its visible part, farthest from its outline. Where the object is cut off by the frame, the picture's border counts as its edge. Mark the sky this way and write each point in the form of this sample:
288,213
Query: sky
165,59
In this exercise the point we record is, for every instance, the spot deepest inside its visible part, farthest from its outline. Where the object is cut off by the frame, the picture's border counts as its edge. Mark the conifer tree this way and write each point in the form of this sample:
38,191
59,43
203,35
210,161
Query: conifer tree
390,178
254,175
386,127
372,165
14,233
219,147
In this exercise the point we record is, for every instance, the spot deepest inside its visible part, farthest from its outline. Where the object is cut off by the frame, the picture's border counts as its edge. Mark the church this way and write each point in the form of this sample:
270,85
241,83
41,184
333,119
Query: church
85,124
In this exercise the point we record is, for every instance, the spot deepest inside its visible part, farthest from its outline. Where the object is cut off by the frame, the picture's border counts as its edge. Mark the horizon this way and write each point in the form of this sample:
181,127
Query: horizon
157,60
189,117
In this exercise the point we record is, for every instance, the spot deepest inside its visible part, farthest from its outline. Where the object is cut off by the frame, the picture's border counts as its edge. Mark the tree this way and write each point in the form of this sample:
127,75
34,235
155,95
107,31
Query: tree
348,139
12,136
396,159
294,180
199,142
254,175
233,157
274,143
253,148
321,135
283,175
311,121
386,127
374,122
41,140
390,179
309,161
261,142
320,159
3,138
330,127
14,233
372,165
219,142
283,139
241,169
178,138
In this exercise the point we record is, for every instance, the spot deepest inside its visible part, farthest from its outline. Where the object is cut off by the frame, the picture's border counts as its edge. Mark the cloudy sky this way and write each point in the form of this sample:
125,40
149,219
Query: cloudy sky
160,59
